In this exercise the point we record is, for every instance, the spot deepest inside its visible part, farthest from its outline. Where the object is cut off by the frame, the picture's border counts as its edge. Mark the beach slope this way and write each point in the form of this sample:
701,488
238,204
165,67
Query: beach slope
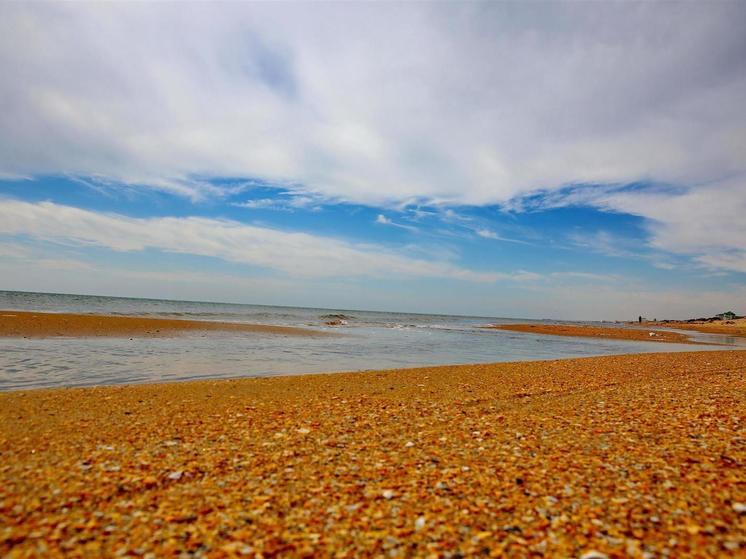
622,456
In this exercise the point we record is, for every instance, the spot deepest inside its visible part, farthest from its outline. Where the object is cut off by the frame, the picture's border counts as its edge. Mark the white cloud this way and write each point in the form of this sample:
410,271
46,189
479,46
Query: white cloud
282,202
704,222
707,222
476,103
295,254
383,220
490,234
487,234
472,103
259,204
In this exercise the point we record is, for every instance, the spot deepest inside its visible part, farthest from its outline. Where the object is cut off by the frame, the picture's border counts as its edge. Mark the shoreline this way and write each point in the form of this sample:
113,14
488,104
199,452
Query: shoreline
34,324
619,455
735,328
608,332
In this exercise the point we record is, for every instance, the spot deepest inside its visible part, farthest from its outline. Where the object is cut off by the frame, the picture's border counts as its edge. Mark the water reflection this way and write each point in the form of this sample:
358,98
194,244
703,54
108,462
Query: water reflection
33,363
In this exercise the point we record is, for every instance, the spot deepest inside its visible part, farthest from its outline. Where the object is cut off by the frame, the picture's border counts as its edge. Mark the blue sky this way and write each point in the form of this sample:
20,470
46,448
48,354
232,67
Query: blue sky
546,160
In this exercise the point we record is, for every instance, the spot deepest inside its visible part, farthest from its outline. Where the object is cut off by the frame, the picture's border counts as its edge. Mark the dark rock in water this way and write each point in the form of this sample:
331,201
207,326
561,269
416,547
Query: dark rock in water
335,317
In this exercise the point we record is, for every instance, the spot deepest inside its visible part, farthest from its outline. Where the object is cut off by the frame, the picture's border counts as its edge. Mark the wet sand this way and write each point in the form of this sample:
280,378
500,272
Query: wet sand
624,456
599,332
46,325
728,327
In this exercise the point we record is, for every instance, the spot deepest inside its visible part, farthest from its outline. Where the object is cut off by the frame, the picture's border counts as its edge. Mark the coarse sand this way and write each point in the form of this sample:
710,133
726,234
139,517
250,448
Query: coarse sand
625,456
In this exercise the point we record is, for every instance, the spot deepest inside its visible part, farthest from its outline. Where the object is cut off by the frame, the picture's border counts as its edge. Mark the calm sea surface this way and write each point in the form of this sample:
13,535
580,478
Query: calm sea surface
368,340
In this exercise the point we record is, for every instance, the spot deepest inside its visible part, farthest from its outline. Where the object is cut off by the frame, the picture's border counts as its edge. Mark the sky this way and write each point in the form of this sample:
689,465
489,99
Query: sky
539,160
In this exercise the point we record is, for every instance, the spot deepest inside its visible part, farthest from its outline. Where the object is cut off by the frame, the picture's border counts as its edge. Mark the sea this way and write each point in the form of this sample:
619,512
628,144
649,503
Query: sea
362,340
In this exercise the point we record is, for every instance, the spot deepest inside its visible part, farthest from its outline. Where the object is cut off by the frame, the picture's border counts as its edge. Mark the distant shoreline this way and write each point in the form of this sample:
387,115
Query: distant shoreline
44,324
736,327
17,324
577,331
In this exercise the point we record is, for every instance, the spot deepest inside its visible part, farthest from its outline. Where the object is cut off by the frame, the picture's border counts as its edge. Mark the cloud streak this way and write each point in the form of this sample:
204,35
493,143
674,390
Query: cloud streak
293,254
383,220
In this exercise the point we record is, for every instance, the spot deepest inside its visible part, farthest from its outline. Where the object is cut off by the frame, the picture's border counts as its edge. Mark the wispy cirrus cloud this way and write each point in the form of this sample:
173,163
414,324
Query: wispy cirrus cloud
287,203
383,220
493,235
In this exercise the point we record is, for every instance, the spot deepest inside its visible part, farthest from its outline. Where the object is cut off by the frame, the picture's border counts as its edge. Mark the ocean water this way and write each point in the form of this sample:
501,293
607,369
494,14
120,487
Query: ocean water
366,340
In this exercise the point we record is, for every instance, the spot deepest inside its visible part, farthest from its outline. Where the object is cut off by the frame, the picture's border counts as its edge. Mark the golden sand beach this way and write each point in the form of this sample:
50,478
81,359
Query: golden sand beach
735,327
625,456
574,330
45,325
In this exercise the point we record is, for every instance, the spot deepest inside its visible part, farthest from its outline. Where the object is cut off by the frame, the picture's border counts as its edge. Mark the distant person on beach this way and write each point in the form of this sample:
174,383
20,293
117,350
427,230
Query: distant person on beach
639,319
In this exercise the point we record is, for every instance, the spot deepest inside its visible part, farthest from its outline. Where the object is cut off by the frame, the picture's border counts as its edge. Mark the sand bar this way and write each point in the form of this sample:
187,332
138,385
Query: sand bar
622,456
735,328
599,332
45,325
